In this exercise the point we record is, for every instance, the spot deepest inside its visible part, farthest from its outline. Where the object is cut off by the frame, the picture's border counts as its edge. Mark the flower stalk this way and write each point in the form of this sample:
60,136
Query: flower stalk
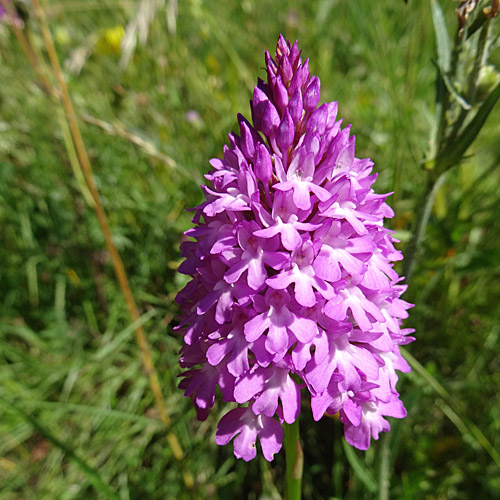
427,202
47,86
294,461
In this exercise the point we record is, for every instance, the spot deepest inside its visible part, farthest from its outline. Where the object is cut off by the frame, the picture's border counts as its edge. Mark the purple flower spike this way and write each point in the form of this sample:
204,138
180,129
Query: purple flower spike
293,292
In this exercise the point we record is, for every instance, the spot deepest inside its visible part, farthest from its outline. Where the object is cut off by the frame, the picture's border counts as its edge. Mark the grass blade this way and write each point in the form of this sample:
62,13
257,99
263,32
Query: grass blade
461,423
92,411
123,335
92,475
442,37
360,469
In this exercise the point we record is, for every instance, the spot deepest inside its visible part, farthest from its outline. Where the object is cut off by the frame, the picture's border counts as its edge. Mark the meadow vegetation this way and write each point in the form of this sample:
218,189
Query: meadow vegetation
77,416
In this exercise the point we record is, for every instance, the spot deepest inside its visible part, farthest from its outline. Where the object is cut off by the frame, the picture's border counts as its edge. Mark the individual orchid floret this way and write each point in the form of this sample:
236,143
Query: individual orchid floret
293,294
246,426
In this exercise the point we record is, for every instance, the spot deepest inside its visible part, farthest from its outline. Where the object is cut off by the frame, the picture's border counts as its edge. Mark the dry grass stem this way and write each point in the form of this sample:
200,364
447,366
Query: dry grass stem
104,224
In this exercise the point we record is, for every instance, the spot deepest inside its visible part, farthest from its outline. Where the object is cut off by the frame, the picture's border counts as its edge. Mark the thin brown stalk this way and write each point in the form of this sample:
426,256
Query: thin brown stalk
28,51
117,128
56,9
115,256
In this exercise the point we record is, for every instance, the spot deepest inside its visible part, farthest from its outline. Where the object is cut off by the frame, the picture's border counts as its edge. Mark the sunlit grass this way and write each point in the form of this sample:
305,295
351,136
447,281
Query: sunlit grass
67,355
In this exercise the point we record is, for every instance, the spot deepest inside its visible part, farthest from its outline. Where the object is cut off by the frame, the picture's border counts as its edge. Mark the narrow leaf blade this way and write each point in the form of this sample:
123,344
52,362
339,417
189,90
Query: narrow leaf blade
360,469
473,128
442,37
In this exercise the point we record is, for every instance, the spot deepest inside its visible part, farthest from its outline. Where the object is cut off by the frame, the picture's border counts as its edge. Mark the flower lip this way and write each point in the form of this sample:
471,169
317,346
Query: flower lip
304,256
277,298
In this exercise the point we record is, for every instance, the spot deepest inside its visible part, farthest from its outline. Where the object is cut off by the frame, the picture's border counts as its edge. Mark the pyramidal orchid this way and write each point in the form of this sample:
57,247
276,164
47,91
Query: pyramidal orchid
293,293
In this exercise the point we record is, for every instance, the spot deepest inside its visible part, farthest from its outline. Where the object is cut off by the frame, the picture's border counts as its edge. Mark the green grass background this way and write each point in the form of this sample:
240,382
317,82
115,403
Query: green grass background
76,412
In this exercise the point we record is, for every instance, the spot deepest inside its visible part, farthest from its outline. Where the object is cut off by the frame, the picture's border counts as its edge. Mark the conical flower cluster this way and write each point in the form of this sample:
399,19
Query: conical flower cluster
293,292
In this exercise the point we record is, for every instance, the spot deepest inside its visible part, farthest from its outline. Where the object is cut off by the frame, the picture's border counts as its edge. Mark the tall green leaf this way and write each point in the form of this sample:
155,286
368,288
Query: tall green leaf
459,147
442,37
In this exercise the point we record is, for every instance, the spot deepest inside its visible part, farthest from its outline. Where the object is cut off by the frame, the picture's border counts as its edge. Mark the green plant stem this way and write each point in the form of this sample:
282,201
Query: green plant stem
294,461
385,461
428,197
427,202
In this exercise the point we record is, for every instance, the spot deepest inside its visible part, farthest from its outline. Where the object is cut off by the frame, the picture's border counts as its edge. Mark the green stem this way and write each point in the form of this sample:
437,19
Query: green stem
423,218
424,213
385,463
294,461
